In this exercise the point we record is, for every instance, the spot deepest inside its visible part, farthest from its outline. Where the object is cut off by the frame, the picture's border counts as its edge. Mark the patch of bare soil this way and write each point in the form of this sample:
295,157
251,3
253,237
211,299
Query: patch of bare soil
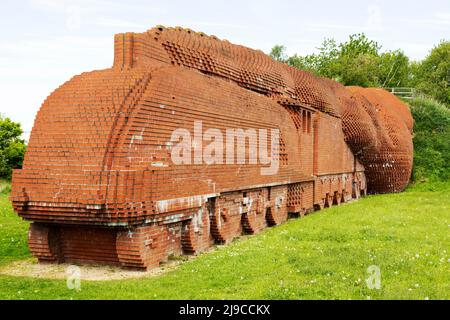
31,268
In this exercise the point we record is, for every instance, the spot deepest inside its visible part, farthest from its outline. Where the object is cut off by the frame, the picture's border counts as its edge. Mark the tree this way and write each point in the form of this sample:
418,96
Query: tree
278,53
358,61
12,148
354,62
359,44
432,75
359,70
303,63
325,62
394,69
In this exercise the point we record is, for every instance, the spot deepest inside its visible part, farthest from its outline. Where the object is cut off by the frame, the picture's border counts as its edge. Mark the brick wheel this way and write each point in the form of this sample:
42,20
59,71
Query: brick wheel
225,225
43,242
276,215
142,247
329,200
346,196
337,198
320,205
195,233
254,216
254,221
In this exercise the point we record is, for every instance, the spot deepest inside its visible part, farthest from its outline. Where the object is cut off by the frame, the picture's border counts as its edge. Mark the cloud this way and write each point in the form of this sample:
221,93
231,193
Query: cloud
50,5
373,22
52,49
337,26
438,19
327,26
109,22
374,19
81,12
220,25
416,51
442,18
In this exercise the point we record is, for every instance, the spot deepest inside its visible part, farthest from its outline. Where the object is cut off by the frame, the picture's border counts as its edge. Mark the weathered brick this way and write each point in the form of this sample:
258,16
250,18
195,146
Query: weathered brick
99,182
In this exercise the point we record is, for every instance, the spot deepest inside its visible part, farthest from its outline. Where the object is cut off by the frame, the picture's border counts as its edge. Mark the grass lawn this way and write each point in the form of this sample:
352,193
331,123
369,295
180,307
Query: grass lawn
13,231
323,256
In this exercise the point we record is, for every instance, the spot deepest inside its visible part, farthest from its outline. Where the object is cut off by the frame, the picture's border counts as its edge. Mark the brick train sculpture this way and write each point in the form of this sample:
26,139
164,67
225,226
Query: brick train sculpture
99,183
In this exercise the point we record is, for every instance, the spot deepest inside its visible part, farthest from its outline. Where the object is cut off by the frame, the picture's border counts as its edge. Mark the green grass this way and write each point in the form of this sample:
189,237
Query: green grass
431,140
13,231
323,256
5,186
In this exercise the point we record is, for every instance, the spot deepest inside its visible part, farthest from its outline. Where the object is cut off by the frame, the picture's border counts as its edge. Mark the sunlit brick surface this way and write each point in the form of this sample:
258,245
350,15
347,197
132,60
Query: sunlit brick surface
99,182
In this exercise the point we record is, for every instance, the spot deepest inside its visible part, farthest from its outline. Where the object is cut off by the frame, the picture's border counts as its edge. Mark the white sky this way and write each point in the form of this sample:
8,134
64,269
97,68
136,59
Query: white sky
45,42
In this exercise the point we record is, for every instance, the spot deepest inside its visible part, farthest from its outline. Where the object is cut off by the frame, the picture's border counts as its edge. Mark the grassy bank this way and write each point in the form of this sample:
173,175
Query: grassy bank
431,140
323,256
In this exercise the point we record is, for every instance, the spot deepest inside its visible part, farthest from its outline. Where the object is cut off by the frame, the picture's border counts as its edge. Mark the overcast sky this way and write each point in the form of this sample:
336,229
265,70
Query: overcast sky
45,42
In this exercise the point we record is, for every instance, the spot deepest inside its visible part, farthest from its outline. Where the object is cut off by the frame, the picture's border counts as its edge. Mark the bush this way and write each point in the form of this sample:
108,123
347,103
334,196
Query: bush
358,61
12,148
432,75
431,140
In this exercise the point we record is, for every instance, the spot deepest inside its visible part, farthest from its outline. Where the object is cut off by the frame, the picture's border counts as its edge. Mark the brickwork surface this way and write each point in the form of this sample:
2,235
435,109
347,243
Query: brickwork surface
99,183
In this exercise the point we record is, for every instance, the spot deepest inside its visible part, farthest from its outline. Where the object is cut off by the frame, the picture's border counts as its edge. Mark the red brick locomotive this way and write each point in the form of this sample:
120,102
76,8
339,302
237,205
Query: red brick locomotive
99,182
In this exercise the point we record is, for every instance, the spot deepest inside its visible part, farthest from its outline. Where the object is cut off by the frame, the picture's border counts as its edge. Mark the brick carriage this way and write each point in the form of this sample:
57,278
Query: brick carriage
99,184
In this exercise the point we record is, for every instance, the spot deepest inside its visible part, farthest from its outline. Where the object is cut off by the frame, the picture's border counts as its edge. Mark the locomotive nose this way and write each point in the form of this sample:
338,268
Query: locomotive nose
68,176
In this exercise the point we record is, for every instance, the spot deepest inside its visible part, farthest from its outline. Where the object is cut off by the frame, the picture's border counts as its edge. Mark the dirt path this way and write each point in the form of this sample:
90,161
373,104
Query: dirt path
31,268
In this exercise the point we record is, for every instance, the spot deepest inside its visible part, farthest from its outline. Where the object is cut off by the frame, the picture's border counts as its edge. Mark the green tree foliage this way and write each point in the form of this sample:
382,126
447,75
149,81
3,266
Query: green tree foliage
359,44
394,69
278,53
431,139
432,75
12,148
299,62
324,63
358,61
358,70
